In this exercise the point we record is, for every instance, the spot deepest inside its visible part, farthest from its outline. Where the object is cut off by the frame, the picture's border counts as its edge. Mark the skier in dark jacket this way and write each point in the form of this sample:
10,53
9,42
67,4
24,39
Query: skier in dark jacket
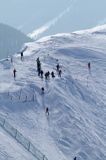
75,158
89,66
57,67
21,56
37,60
46,75
41,72
47,111
42,90
52,74
14,73
39,68
38,64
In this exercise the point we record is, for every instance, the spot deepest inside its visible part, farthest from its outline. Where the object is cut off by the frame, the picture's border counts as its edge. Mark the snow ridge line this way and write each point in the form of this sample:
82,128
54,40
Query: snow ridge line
22,140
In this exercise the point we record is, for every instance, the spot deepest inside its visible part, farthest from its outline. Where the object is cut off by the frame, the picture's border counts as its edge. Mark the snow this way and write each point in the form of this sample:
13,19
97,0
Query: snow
10,149
98,29
76,125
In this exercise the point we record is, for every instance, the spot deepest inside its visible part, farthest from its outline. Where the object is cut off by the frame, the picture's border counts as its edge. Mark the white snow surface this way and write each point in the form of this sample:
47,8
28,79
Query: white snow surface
10,149
98,30
76,125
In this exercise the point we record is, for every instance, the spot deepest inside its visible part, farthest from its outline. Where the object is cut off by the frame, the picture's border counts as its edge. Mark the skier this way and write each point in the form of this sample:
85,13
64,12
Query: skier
14,73
21,56
52,74
38,63
46,75
37,60
57,67
39,68
75,158
89,66
41,72
42,90
47,111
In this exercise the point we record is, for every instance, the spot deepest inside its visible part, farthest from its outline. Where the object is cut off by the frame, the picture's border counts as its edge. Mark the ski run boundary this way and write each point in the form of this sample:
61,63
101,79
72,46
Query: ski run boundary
22,140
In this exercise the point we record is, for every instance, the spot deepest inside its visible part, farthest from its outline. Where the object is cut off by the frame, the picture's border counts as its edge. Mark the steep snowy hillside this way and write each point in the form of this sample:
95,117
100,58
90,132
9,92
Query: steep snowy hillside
96,30
76,124
8,147
11,40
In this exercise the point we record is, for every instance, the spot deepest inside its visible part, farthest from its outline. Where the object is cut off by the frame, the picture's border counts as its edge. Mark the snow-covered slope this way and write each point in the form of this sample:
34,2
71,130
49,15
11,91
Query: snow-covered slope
11,40
10,149
96,30
76,125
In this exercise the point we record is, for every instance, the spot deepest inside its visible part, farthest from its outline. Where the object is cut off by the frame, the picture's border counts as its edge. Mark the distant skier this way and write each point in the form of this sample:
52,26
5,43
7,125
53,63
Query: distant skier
57,67
52,74
41,72
42,90
46,75
89,66
39,68
21,56
75,158
47,111
14,73
37,60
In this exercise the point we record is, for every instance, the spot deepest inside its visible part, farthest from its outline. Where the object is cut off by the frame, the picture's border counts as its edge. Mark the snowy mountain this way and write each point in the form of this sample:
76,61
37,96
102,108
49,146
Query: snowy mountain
76,125
96,30
11,40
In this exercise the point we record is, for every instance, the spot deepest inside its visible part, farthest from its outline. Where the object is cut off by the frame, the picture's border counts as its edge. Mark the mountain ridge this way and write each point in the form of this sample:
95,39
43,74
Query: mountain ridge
11,40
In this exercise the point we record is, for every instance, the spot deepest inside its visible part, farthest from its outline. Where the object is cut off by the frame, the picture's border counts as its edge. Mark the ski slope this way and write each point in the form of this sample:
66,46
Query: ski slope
76,125
10,149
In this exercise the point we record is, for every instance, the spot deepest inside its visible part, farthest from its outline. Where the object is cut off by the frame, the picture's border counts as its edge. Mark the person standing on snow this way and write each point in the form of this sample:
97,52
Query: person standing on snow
21,56
14,73
41,72
38,61
75,158
39,68
42,90
52,74
57,67
47,111
89,66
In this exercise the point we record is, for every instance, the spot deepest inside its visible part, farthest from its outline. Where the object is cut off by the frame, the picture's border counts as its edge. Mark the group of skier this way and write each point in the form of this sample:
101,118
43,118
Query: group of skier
47,74
14,70
47,77
58,70
41,72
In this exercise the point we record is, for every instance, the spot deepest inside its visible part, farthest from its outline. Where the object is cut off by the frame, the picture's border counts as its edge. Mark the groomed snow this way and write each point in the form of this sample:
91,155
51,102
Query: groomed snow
10,149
